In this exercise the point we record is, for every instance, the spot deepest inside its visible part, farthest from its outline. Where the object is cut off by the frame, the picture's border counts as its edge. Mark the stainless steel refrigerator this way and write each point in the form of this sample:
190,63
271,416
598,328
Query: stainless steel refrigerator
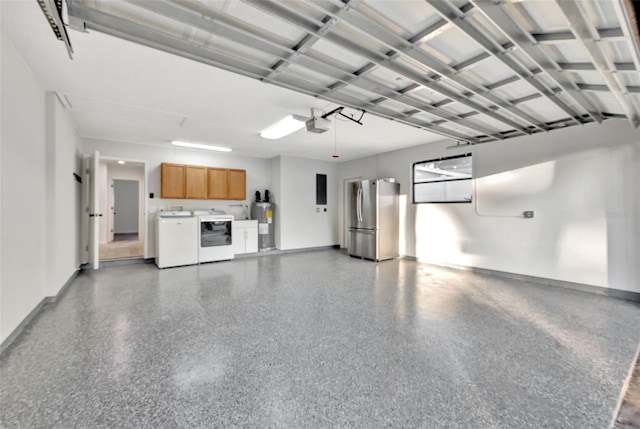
374,219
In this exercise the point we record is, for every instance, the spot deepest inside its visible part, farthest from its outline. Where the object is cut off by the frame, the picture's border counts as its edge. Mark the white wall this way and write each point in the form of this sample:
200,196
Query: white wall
302,223
39,242
64,194
22,285
582,183
126,197
258,175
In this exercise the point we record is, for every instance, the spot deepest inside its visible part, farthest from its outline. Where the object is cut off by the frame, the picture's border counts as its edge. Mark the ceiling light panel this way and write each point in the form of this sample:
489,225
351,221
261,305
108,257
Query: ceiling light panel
202,146
283,127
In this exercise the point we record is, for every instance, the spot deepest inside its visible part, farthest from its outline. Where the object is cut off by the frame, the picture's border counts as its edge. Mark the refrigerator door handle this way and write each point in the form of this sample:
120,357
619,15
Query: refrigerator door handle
360,204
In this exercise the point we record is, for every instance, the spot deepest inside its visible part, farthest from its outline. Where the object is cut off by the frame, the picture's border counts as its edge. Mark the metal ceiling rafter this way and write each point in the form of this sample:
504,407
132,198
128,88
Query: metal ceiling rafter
605,88
451,12
627,15
620,67
402,47
215,22
304,44
286,14
611,34
502,18
588,36
91,18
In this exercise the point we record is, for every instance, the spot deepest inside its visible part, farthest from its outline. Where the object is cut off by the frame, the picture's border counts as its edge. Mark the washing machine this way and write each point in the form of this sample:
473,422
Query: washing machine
176,239
215,236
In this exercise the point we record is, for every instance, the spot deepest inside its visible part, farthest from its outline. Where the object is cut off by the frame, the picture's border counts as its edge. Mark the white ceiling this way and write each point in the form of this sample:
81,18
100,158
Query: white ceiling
477,71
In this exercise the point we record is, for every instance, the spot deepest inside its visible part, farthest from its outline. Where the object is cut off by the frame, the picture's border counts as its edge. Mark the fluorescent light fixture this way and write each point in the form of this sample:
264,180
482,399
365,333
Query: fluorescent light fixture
200,146
283,127
121,162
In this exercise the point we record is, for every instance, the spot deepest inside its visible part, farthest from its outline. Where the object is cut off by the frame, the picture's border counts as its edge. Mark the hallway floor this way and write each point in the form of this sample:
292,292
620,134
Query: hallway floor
317,339
123,246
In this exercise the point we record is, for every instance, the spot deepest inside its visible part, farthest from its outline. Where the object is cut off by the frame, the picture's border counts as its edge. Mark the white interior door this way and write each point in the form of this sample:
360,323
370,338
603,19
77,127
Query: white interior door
94,207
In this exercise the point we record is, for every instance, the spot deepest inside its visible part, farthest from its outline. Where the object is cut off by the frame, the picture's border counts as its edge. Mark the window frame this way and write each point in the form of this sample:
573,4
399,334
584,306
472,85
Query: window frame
443,158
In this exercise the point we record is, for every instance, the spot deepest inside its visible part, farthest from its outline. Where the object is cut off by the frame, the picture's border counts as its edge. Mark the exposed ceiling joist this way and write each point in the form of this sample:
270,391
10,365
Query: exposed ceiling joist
610,34
399,61
283,12
93,19
226,29
585,32
604,88
452,13
502,18
405,48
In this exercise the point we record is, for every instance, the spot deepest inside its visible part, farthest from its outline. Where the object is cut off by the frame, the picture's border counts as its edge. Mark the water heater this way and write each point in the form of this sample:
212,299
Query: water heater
264,214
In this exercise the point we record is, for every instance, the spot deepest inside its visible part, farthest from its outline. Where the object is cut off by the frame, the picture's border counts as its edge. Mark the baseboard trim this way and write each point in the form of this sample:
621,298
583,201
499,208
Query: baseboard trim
6,344
599,290
282,252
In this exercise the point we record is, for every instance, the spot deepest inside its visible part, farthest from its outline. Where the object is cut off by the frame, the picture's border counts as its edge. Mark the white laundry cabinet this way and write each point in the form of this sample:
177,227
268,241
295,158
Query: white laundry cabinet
245,236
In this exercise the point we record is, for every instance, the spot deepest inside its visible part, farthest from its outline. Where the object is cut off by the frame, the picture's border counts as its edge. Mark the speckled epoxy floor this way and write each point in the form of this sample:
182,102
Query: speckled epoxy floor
317,339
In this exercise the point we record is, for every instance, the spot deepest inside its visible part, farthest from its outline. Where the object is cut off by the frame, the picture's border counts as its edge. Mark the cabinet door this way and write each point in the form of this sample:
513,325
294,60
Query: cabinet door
251,243
238,240
217,183
237,185
172,181
196,182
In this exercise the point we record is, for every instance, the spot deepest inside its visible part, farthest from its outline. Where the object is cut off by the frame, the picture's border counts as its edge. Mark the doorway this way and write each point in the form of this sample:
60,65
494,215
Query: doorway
122,232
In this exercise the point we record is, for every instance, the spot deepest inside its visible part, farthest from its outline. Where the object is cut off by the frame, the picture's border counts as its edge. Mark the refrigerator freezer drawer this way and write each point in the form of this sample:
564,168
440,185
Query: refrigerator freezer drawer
363,244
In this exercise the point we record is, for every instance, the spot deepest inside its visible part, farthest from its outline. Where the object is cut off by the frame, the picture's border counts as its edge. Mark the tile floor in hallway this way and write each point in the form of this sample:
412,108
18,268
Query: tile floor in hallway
317,339
121,249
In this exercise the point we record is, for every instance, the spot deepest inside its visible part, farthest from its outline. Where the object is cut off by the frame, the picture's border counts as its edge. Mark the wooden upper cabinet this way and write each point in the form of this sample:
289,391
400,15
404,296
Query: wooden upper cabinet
172,181
196,183
217,183
237,184
199,183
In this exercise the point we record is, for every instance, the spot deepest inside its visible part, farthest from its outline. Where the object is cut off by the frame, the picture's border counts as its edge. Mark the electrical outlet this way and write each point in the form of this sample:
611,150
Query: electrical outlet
528,214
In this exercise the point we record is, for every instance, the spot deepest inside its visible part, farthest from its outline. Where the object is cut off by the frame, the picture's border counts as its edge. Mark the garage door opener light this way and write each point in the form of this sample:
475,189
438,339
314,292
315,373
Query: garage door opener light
283,127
